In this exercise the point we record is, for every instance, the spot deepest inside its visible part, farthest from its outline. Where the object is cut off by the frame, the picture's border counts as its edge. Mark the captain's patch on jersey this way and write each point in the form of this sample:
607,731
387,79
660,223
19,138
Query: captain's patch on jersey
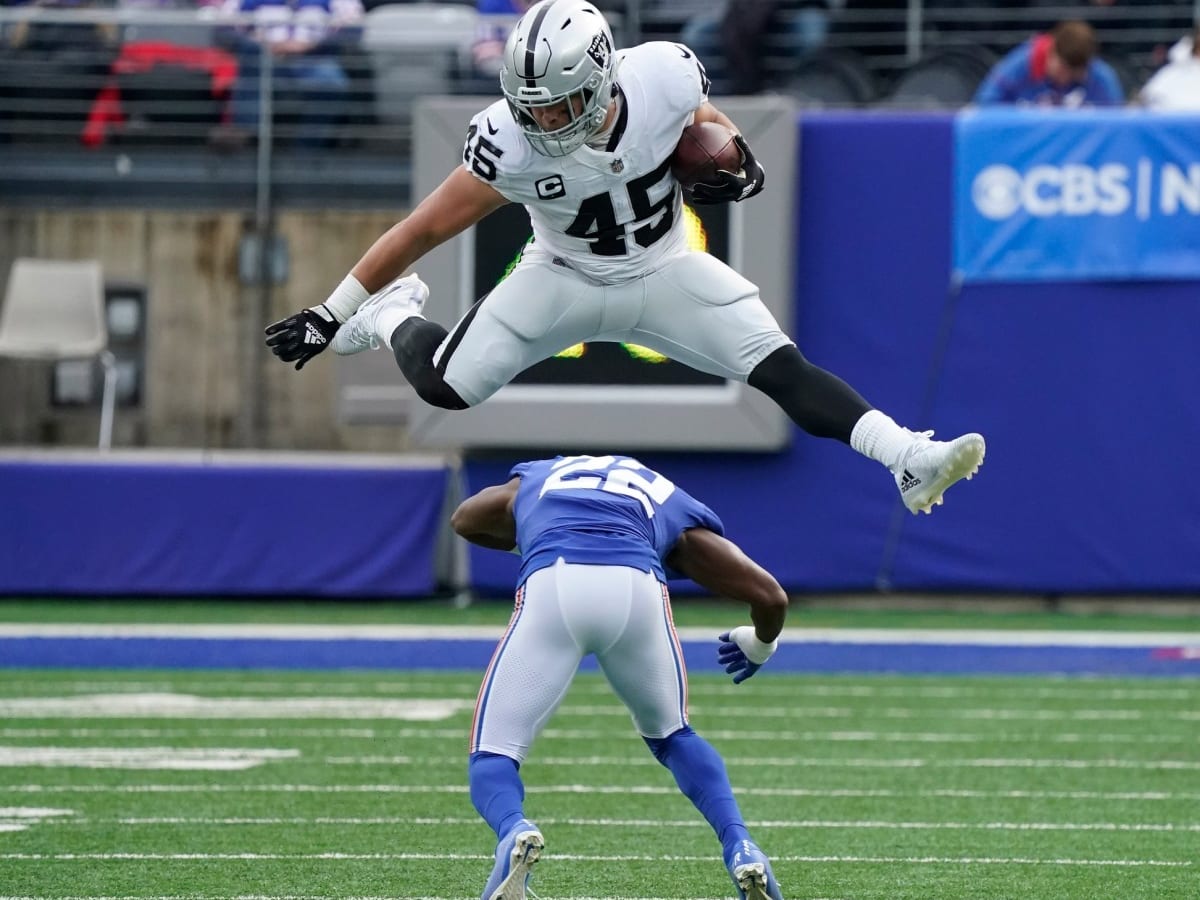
550,187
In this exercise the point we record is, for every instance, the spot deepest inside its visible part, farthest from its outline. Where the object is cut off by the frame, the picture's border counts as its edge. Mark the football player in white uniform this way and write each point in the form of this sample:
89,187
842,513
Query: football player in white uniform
583,138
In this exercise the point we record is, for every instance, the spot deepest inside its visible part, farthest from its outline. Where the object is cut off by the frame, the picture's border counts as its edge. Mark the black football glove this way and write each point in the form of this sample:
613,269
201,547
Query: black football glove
300,337
731,187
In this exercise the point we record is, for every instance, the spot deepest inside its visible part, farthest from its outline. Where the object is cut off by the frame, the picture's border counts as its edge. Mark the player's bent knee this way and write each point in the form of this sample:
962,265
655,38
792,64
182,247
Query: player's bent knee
431,388
413,345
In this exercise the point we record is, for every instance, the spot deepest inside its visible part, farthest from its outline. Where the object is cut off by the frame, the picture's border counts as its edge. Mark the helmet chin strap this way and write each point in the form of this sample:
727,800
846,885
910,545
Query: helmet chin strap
599,138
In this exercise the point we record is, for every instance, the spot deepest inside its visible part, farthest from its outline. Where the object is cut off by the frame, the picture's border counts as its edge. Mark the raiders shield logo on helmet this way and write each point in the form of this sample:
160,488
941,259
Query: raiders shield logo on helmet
600,49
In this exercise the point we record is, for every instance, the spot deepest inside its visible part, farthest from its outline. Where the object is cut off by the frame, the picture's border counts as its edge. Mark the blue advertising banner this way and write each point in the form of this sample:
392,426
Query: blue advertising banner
1076,195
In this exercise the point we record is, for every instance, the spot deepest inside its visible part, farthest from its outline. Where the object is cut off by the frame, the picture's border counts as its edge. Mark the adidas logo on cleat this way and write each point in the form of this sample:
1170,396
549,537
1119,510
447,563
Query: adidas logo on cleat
908,481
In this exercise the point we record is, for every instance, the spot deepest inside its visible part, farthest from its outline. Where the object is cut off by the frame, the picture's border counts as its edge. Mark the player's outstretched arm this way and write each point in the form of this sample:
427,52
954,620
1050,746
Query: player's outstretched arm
455,205
720,566
486,518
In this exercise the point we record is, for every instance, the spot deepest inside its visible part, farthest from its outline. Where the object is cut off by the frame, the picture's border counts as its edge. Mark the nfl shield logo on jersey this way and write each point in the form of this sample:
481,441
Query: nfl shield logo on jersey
618,166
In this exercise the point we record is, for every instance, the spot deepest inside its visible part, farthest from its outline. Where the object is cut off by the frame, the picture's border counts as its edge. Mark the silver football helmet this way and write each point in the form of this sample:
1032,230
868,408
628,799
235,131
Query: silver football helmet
560,52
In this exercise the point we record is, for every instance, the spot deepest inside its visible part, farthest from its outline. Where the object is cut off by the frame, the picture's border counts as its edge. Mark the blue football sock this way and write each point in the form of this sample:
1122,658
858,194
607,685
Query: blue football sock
700,773
496,790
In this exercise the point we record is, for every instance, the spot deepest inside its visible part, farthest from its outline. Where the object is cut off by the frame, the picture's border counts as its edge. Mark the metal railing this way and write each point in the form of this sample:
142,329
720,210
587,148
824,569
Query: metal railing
135,100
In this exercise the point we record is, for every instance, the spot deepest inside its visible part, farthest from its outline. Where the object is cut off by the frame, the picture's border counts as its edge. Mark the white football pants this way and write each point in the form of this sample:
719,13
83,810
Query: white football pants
695,310
563,613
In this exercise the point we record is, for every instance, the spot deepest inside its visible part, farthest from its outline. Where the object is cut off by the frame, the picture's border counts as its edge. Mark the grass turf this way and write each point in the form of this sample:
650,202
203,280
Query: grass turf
860,788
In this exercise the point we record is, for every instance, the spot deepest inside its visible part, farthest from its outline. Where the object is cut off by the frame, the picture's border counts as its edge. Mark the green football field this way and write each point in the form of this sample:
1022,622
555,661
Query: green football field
154,785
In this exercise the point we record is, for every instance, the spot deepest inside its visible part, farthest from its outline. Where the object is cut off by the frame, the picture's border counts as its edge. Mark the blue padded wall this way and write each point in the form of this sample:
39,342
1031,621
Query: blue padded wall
1083,391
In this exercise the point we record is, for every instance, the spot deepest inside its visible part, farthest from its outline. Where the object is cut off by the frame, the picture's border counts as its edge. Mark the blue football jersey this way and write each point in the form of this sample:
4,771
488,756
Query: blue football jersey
601,510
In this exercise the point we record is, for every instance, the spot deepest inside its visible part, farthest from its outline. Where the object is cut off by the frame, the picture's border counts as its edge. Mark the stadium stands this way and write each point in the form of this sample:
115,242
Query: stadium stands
148,74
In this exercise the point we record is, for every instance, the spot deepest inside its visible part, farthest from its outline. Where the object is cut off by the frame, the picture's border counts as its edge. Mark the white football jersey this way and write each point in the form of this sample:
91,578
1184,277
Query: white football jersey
611,214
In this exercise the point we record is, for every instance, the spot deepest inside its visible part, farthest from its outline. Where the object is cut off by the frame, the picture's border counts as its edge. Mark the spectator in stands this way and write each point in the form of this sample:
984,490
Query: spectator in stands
1057,68
1176,86
50,71
496,19
1133,26
732,40
305,39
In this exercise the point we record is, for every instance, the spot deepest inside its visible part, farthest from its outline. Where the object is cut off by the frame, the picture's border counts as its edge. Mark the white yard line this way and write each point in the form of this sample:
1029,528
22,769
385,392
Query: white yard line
901,712
213,759
340,897
550,821
193,706
588,734
425,896
460,684
582,857
800,761
588,789
423,633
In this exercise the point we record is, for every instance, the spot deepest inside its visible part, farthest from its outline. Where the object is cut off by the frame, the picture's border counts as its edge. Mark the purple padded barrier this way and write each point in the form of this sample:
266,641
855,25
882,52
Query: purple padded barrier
159,528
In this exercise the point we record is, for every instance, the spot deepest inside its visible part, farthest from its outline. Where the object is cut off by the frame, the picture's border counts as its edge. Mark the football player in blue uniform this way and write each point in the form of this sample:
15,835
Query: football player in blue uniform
596,535
583,139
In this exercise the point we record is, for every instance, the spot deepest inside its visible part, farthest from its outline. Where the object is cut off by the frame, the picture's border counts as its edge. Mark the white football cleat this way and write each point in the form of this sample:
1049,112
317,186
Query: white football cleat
402,298
928,467
516,855
751,873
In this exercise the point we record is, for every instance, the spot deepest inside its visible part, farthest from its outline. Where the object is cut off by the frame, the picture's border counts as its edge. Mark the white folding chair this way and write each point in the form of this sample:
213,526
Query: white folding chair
413,48
54,310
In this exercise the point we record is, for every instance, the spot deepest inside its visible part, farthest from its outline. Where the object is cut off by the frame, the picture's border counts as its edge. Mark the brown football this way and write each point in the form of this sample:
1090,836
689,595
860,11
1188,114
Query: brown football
703,148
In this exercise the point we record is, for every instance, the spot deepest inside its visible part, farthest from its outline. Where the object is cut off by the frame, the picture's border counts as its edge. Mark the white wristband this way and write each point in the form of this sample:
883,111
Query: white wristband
758,652
346,298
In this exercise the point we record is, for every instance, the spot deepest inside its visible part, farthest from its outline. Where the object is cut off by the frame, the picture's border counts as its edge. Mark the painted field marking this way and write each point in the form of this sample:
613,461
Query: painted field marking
587,789
704,634
582,857
587,734
231,731
1164,827
425,896
340,897
19,818
177,758
805,761
190,706
468,683
900,712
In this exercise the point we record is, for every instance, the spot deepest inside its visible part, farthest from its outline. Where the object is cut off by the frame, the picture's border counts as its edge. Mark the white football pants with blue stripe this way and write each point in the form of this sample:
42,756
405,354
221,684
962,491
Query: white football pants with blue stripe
563,613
